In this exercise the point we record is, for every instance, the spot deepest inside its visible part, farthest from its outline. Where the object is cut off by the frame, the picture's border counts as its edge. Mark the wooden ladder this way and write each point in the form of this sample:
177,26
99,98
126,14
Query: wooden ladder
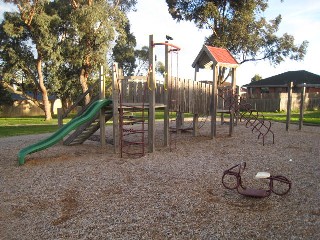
80,135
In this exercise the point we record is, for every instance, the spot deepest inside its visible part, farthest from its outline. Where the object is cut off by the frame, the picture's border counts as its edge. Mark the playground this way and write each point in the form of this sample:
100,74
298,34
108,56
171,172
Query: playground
88,192
145,179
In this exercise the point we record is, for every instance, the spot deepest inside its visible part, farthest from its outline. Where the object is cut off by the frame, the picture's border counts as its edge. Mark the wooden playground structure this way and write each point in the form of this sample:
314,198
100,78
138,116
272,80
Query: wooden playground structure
132,94
136,98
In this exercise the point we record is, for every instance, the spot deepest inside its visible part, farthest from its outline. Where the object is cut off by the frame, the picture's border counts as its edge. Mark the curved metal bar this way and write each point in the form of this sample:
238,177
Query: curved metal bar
168,44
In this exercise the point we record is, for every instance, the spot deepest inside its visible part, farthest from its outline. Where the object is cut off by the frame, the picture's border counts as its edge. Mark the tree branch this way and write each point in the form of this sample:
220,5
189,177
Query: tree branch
28,97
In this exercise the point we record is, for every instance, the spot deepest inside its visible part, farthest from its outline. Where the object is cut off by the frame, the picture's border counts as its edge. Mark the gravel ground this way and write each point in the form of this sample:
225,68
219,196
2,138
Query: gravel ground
85,192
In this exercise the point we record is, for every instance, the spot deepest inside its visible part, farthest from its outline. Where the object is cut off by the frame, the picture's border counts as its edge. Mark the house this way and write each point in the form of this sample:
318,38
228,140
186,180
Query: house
271,94
24,107
279,83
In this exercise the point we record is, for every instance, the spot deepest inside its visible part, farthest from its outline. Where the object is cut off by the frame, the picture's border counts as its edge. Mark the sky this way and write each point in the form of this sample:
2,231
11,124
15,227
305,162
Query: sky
299,18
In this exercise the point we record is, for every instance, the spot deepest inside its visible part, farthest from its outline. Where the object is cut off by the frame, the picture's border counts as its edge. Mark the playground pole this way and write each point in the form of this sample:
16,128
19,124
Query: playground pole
289,105
152,99
214,101
102,111
115,103
303,92
166,97
196,116
232,110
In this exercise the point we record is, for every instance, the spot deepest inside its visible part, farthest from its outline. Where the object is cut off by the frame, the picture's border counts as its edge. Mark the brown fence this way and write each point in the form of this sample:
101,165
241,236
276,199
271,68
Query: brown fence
184,95
270,102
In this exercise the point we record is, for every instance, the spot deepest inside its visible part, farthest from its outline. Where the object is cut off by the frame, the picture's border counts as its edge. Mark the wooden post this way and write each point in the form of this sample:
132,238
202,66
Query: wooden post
195,121
303,92
237,100
151,90
115,109
196,70
213,104
179,122
166,97
60,119
232,109
290,85
195,124
102,111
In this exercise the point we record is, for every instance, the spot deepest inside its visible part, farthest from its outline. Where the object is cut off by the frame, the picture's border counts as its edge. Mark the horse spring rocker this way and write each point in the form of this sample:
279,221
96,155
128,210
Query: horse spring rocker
231,179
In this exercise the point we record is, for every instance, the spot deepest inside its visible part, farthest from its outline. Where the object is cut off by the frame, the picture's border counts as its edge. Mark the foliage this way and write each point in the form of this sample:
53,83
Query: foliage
5,96
27,46
58,46
255,78
142,60
240,27
123,51
160,68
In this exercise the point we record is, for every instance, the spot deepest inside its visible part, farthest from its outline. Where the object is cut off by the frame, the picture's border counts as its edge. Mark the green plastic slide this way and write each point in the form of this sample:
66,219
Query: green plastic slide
65,130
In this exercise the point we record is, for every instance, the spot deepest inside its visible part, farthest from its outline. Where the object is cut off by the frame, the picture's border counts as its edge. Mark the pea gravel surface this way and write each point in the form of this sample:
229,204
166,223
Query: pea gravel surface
89,192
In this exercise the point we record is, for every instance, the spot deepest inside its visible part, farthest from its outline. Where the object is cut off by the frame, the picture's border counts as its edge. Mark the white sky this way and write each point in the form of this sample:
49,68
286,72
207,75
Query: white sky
299,18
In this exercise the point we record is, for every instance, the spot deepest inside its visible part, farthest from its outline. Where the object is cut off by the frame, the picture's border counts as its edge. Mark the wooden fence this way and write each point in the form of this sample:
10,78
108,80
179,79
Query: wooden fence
186,96
270,102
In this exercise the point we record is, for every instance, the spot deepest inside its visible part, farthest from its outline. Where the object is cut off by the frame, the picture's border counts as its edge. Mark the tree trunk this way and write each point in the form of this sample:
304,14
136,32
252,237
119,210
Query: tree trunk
84,85
43,89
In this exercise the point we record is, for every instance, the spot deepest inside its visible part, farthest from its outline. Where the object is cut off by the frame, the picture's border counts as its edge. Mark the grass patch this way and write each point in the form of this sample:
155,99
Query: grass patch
37,125
27,125
8,131
309,117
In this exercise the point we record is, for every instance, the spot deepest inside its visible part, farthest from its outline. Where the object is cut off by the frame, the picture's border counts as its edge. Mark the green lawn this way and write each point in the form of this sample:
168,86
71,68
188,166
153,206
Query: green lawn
309,117
7,131
27,125
37,125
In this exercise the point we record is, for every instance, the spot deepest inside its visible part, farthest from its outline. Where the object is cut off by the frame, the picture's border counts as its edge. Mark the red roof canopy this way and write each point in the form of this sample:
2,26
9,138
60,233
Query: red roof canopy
222,55
213,55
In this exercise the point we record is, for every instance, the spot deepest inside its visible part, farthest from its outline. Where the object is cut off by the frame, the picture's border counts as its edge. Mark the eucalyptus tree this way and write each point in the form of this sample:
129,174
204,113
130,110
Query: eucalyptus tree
59,44
124,53
28,42
93,26
142,60
240,26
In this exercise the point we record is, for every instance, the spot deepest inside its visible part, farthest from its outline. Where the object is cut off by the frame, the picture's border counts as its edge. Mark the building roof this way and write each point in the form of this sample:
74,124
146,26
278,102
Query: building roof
297,77
209,55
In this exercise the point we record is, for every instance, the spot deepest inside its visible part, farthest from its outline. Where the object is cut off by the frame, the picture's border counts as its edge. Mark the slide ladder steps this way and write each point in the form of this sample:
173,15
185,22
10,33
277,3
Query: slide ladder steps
86,130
